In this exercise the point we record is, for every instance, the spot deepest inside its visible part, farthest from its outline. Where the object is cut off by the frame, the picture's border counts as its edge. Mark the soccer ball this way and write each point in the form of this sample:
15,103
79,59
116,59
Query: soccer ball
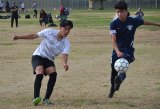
121,65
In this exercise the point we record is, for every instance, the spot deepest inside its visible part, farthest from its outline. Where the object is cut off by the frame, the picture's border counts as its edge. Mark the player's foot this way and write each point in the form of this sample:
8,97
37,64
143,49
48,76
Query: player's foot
36,101
111,93
117,83
47,102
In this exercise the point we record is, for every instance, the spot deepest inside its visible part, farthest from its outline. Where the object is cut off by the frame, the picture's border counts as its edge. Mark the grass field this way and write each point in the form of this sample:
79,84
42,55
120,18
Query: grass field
86,84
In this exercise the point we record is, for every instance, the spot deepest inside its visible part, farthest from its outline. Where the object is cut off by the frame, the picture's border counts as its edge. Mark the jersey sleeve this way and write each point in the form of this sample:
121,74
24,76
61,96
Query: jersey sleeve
138,22
67,47
43,33
113,28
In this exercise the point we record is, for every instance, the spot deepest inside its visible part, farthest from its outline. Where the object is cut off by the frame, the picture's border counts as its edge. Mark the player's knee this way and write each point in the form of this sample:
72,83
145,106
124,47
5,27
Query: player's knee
39,70
50,70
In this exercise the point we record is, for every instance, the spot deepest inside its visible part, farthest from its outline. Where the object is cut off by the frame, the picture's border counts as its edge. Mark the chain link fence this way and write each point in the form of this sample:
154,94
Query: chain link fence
84,4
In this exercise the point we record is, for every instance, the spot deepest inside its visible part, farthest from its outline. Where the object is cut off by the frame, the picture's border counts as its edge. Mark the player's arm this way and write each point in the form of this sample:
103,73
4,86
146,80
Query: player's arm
115,47
151,23
29,36
15,9
64,61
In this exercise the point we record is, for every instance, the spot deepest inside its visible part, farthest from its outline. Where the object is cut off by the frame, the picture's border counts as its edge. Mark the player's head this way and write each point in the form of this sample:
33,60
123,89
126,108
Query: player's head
14,2
121,10
65,27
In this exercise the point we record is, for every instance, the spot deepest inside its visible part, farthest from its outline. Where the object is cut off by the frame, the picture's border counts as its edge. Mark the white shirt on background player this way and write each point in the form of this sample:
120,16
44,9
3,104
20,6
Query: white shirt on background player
22,5
50,47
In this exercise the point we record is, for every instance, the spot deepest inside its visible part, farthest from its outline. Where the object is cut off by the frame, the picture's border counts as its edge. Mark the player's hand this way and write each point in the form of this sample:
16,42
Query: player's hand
15,37
120,54
66,67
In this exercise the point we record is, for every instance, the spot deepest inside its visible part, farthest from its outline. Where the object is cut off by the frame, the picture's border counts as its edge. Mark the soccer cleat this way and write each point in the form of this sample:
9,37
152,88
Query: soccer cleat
47,102
117,83
36,101
111,92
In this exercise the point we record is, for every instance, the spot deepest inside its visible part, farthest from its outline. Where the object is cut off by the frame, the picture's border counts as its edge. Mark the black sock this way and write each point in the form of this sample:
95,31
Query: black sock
51,83
37,85
122,76
114,73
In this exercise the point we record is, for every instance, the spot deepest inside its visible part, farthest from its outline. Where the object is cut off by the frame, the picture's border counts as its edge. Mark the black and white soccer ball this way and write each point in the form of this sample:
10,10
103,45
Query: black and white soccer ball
121,65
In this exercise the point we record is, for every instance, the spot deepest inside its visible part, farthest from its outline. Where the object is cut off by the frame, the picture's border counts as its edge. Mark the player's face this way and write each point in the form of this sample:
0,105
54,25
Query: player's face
64,31
122,14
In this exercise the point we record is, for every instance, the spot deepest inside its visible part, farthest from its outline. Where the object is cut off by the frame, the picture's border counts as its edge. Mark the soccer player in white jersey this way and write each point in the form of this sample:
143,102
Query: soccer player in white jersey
54,42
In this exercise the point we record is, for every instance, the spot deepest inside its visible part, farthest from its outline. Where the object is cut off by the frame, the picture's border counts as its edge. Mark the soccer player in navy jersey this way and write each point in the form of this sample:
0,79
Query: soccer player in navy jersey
122,32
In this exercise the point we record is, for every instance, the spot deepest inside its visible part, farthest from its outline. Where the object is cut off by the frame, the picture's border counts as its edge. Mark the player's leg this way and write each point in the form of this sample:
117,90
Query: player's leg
16,19
51,72
35,13
40,22
122,75
118,80
12,20
46,21
37,63
113,75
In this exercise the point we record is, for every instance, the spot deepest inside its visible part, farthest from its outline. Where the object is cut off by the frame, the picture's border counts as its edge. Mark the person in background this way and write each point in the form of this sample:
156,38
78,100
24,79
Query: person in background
22,7
14,15
8,9
43,18
34,7
1,6
61,10
64,12
139,14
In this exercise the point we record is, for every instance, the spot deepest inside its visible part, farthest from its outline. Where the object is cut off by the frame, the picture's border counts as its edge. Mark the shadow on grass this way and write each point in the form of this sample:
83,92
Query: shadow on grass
82,102
123,103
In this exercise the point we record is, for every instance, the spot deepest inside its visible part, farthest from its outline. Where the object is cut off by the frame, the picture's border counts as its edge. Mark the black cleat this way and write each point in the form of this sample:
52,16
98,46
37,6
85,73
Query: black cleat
111,92
117,83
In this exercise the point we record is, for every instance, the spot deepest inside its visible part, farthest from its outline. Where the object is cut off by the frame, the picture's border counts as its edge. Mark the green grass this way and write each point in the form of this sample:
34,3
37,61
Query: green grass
92,18
95,18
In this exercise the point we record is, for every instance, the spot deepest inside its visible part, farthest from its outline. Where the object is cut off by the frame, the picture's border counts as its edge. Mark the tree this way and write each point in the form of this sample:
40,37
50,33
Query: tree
101,4
92,1
90,4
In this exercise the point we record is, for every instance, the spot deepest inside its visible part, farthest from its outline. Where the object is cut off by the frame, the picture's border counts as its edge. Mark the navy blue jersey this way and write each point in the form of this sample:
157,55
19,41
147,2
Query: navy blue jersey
124,32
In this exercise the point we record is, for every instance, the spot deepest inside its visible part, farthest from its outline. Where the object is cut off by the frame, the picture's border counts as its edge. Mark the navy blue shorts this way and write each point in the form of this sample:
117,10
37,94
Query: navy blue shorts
38,60
129,58
128,55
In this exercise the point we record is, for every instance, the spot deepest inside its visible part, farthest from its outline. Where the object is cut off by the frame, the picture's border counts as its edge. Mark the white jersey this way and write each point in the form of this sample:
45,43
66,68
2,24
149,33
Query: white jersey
1,4
22,5
50,47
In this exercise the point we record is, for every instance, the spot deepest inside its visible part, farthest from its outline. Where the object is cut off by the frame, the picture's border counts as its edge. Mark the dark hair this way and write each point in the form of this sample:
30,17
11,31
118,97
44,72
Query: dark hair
128,14
65,23
122,5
